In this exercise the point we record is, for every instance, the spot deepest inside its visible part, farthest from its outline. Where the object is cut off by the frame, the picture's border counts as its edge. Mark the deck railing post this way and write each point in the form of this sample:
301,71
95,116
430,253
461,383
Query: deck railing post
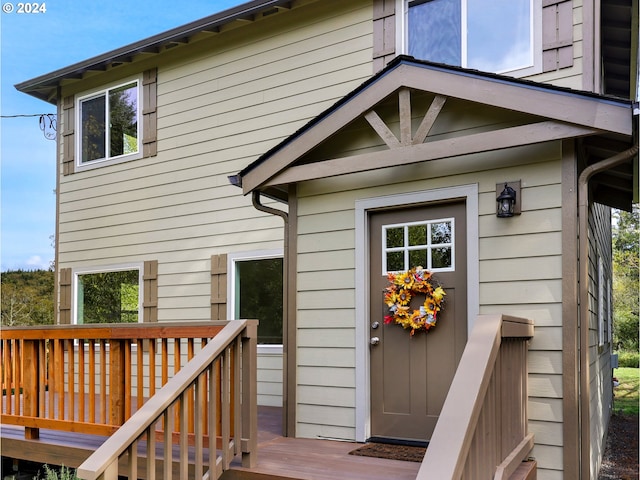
116,382
249,396
31,385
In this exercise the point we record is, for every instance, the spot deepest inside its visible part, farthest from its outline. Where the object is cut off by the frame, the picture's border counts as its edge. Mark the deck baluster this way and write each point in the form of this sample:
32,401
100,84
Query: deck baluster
70,361
81,380
31,386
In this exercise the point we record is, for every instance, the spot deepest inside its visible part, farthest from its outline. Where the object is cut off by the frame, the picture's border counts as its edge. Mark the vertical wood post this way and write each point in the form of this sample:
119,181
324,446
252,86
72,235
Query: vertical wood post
31,386
116,382
250,396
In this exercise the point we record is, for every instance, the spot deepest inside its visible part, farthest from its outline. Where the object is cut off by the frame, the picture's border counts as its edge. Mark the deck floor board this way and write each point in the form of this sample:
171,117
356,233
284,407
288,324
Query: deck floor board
278,456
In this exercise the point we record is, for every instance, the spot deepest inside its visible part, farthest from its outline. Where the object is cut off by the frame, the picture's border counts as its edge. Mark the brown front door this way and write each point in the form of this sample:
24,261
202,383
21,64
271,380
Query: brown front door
411,375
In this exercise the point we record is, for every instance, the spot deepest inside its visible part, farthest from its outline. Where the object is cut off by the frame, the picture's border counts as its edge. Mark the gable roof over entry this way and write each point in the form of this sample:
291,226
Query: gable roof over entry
537,112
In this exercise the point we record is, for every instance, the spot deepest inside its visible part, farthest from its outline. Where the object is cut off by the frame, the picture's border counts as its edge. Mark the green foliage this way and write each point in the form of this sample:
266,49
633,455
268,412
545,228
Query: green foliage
629,359
625,336
62,473
27,298
626,398
626,271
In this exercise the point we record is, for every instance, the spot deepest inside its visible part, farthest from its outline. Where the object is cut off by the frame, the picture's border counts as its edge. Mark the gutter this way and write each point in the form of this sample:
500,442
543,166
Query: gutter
154,44
583,299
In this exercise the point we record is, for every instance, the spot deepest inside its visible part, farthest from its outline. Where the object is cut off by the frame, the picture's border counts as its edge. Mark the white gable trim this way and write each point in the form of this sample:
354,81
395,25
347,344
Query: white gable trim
362,207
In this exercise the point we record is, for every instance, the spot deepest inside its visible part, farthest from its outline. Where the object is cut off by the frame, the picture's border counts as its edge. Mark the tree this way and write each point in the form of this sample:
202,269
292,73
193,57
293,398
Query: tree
27,298
626,271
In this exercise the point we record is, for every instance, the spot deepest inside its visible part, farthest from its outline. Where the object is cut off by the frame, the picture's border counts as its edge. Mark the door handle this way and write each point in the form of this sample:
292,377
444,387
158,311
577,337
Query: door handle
374,340
375,325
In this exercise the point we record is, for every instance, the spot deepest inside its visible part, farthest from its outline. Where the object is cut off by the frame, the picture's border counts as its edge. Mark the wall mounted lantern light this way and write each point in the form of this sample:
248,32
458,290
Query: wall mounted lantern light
508,199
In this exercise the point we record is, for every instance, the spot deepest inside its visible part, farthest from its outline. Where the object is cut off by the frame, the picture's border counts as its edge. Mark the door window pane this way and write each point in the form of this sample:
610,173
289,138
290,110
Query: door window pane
395,261
395,237
417,235
441,232
108,297
441,257
429,245
259,296
417,258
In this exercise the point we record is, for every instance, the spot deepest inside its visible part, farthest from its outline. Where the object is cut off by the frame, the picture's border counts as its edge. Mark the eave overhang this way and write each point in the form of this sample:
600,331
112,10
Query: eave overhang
557,113
619,47
45,86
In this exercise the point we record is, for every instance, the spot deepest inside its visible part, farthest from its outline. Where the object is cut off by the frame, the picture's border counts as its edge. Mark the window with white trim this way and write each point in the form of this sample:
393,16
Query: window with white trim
256,292
426,244
498,36
109,126
108,295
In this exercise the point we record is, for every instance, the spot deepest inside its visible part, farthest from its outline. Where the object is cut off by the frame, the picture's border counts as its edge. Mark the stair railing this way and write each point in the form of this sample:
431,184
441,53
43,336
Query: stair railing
133,449
482,430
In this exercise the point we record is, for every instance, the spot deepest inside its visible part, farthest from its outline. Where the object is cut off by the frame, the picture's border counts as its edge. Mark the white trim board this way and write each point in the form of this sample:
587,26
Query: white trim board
362,207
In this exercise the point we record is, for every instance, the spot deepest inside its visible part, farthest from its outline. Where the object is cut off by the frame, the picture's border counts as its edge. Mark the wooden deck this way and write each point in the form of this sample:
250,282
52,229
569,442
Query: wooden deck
278,457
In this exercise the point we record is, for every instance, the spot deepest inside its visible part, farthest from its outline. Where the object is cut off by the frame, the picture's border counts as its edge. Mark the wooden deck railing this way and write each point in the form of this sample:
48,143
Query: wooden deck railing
233,350
482,430
92,378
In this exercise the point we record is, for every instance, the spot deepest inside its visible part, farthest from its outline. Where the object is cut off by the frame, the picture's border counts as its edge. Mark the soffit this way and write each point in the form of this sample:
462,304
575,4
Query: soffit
525,112
619,46
45,86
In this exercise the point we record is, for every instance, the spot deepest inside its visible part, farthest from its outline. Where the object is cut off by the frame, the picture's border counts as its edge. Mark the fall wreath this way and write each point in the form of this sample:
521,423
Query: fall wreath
402,287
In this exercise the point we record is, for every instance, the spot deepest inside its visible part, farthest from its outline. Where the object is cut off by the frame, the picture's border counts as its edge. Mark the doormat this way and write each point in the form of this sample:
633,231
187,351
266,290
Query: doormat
407,453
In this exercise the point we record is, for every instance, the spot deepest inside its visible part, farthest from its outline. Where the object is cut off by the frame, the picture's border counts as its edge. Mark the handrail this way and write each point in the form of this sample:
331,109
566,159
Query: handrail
493,361
199,373
100,331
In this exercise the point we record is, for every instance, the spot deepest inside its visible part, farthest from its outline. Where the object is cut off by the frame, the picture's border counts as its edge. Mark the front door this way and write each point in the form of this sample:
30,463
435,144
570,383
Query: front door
411,375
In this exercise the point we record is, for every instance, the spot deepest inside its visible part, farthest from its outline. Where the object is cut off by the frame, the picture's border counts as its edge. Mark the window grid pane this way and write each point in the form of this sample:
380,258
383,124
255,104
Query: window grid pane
426,244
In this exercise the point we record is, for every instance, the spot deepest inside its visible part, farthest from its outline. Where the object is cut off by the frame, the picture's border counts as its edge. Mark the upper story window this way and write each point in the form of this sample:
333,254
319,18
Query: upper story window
498,36
109,125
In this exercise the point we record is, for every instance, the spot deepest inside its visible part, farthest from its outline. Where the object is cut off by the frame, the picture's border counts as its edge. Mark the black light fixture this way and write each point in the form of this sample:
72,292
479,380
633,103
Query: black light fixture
508,200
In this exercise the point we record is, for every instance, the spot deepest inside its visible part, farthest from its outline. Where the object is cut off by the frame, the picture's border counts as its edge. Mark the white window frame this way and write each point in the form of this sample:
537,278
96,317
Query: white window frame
76,272
79,165
402,36
429,246
232,259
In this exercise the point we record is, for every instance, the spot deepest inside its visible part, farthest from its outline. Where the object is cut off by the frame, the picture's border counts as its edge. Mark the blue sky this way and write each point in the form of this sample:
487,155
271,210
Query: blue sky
35,44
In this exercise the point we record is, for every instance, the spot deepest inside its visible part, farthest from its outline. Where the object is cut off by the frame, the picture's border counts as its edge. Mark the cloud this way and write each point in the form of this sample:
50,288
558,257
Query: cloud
37,262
